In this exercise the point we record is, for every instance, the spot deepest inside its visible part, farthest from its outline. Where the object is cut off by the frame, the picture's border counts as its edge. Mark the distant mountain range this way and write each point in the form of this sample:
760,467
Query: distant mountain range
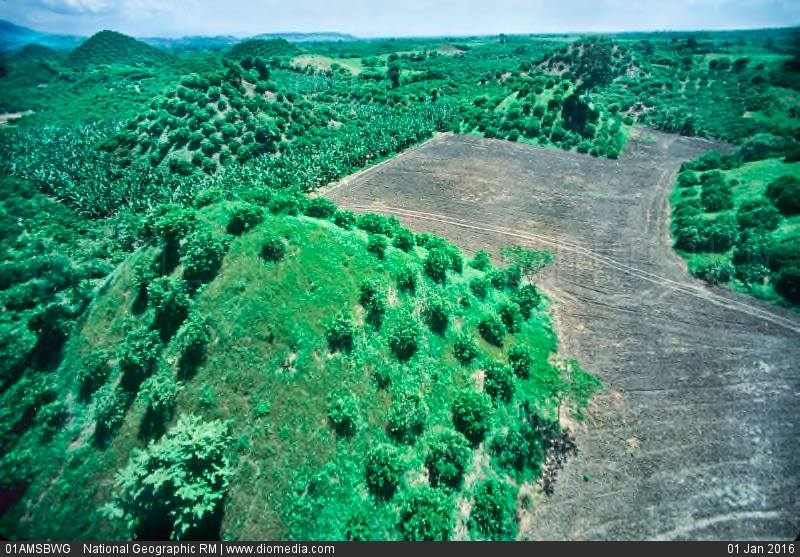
14,36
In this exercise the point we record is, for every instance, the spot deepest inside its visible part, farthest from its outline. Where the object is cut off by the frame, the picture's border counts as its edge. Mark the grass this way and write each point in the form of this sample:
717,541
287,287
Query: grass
325,63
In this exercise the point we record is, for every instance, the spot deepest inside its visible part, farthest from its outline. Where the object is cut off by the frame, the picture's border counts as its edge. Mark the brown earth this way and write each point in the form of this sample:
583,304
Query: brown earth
697,433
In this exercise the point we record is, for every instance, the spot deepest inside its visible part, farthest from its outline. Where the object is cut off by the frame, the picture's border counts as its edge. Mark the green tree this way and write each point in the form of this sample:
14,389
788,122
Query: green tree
492,330
426,514
377,244
340,334
472,413
169,298
498,381
521,359
244,217
448,456
402,335
273,247
343,413
465,349
384,470
407,416
137,356
493,512
436,264
174,488
93,372
201,255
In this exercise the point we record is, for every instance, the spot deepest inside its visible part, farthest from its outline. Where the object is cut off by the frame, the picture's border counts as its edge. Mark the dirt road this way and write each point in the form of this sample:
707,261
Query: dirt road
697,434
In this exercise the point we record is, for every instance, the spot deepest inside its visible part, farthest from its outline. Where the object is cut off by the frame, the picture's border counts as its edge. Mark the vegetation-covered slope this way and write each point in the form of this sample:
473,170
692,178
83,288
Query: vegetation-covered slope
343,387
110,47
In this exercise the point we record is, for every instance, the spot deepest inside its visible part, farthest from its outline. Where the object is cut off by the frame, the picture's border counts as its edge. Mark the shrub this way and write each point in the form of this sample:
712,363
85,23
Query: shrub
377,244
407,417
498,381
715,272
492,330
784,192
788,283
377,224
190,341
137,355
456,260
343,413
498,278
406,279
202,254
244,217
403,239
174,488
493,512
436,311
383,470
447,458
93,372
510,315
716,194
687,179
758,215
436,264
340,334
373,299
159,394
465,349
519,449
528,299
169,223
382,375
320,207
472,412
169,298
52,417
426,515
521,359
345,219
402,335
273,247
109,405
479,286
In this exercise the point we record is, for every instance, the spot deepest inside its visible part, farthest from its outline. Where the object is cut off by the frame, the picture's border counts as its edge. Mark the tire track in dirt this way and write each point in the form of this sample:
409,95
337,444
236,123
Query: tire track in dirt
696,435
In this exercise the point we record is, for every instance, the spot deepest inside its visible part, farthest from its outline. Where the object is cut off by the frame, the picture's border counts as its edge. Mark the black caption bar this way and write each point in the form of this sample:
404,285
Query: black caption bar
356,549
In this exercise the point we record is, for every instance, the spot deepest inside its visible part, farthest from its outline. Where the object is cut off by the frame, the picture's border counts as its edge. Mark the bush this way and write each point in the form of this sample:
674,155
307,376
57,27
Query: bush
437,311
492,330
436,264
472,413
407,417
137,355
465,349
320,208
715,272
479,286
528,299
402,335
521,449
758,216
448,456
687,179
373,299
109,405
788,283
340,334
174,488
510,315
784,192
169,298
52,417
159,393
377,244
377,224
493,512
169,223
201,255
498,381
93,372
403,239
426,515
521,359
190,342
273,247
244,217
343,413
716,195
383,470
406,279
345,219
498,278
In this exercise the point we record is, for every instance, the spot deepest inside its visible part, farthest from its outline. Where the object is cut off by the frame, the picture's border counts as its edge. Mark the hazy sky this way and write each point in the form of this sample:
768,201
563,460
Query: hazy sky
393,18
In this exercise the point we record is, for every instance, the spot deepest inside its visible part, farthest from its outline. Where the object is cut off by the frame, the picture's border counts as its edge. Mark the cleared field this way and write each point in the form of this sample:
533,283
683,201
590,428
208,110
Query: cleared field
696,436
325,63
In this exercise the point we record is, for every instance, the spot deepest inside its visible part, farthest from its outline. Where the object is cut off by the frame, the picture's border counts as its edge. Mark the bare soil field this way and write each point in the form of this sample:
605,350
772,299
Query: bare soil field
696,435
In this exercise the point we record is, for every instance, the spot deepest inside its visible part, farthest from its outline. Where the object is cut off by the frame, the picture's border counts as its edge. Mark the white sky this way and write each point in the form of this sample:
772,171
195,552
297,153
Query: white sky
367,18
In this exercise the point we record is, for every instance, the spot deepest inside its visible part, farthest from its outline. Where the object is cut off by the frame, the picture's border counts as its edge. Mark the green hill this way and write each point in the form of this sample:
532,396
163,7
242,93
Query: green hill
313,383
110,47
262,48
